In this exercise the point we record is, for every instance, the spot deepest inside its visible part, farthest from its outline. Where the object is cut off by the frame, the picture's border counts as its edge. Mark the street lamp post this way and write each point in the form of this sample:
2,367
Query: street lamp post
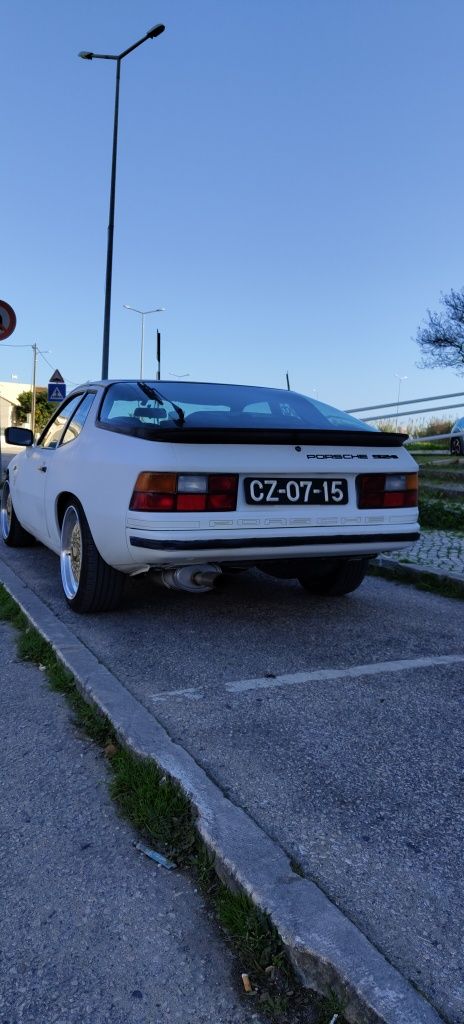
143,313
88,55
400,381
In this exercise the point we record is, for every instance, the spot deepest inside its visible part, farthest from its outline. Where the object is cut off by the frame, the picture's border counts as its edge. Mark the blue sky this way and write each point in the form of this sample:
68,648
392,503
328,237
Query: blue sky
290,187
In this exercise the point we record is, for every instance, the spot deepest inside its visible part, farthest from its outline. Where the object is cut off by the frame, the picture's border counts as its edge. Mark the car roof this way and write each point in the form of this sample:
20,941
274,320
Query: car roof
185,383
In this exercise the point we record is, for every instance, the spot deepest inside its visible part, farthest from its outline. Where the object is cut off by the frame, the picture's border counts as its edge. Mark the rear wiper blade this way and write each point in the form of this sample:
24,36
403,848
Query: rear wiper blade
152,392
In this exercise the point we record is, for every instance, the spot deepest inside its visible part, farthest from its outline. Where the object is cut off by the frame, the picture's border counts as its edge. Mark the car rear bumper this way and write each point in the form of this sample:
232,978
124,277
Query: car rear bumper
164,549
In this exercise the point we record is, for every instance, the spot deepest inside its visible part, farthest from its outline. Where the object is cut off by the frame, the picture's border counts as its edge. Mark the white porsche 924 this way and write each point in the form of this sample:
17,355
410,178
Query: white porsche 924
190,480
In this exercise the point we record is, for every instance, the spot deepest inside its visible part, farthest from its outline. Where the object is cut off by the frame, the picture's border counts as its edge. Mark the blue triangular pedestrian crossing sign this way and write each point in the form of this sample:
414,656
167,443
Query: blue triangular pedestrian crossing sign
56,391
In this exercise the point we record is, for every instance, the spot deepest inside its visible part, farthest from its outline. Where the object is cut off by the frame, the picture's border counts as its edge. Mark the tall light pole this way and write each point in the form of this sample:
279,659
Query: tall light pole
143,313
400,381
88,55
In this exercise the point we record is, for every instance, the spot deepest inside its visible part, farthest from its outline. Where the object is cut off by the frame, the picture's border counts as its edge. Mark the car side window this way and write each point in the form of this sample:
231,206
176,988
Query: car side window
50,437
77,421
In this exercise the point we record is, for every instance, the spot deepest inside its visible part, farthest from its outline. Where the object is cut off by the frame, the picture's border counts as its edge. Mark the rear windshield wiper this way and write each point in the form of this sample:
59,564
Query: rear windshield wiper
152,392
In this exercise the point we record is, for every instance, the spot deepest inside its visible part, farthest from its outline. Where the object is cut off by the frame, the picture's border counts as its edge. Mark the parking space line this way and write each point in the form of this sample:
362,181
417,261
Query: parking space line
316,676
190,692
353,672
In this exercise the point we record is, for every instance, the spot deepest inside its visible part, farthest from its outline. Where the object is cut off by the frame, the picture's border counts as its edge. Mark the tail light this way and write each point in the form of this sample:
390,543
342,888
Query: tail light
185,492
387,490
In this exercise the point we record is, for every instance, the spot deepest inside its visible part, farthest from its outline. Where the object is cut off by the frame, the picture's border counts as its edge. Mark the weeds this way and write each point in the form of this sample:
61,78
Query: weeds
154,804
437,514
10,612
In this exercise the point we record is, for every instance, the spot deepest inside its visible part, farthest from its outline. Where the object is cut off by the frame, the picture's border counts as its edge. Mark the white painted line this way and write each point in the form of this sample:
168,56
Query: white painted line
191,692
330,674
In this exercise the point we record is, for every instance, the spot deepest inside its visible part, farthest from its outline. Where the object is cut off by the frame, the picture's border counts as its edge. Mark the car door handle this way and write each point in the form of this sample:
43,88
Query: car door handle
42,469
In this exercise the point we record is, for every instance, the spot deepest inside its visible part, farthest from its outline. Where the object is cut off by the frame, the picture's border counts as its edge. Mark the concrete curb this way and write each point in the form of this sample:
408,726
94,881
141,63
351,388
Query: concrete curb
328,952
410,572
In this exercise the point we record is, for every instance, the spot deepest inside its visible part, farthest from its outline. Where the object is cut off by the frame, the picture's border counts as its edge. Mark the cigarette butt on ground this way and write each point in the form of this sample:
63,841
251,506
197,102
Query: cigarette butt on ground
247,983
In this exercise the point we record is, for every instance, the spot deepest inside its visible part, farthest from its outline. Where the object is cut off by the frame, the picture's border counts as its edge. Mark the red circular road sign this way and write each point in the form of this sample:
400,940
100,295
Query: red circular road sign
7,320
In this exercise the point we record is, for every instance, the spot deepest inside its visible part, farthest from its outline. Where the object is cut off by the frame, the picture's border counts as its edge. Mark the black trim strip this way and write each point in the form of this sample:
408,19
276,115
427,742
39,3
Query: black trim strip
269,542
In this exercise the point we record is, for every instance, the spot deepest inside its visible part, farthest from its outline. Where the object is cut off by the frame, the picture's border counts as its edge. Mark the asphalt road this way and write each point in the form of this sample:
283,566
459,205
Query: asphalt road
335,723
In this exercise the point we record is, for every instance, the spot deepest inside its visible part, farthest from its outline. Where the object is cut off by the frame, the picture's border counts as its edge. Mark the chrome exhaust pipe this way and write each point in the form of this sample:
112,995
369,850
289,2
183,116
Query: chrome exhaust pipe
193,578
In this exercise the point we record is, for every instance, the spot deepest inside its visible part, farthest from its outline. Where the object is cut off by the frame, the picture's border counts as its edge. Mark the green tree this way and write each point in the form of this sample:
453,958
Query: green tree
43,408
441,337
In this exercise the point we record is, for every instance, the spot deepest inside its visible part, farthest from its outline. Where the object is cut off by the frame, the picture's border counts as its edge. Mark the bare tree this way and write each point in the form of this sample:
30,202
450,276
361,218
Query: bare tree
441,338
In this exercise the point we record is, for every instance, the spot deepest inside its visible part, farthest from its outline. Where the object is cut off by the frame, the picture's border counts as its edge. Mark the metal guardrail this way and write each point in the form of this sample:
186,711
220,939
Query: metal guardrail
407,412
409,401
411,412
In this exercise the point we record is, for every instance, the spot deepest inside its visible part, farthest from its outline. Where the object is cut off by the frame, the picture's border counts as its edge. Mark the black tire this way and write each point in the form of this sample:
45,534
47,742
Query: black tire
13,533
89,583
457,446
341,579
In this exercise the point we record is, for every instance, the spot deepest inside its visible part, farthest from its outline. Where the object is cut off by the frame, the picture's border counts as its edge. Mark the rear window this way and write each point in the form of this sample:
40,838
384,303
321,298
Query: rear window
129,406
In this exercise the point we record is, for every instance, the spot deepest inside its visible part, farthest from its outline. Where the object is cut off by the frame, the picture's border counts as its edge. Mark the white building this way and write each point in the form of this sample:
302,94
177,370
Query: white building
9,391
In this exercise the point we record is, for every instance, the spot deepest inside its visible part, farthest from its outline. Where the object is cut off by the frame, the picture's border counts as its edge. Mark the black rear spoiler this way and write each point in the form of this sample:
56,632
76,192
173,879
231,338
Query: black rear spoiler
182,434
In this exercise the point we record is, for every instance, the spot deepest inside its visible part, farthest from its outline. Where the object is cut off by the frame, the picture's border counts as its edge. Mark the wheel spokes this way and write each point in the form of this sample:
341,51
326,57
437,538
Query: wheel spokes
71,552
6,511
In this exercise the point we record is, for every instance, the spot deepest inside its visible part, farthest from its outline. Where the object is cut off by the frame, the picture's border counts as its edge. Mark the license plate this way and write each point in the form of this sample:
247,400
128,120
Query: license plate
295,491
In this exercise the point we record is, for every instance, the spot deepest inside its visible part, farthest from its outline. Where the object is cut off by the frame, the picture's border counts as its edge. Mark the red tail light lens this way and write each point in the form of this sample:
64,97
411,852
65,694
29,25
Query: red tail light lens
191,502
184,492
148,502
387,490
221,484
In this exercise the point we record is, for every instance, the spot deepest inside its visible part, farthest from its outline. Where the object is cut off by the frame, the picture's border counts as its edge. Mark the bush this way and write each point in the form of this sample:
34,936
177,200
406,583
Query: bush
436,514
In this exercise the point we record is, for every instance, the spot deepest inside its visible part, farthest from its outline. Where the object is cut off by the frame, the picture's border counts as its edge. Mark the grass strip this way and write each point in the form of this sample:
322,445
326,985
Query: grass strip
158,809
154,804
421,581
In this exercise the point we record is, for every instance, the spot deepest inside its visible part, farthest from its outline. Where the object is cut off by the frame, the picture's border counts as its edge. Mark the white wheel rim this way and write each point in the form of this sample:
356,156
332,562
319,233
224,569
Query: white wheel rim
6,511
71,552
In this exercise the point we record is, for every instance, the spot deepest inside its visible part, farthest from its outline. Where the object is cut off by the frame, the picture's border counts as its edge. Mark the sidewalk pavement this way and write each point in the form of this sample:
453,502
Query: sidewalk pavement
437,553
92,931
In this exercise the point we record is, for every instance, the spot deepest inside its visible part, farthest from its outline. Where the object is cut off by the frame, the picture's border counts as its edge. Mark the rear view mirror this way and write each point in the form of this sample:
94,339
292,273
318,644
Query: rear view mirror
19,435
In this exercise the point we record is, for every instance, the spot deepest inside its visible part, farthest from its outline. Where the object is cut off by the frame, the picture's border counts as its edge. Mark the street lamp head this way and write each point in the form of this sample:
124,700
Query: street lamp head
144,312
86,55
155,31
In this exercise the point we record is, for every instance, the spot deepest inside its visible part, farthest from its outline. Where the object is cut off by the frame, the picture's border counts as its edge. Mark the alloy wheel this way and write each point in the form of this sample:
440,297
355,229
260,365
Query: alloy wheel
6,511
71,552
